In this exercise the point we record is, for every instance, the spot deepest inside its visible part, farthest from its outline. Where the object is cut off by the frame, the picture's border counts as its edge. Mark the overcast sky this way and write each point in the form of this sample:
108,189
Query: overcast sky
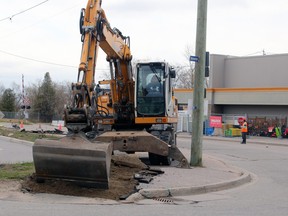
159,30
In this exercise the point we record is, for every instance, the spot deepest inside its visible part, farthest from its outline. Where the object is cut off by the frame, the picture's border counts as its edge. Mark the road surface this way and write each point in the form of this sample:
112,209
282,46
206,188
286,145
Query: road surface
266,195
13,151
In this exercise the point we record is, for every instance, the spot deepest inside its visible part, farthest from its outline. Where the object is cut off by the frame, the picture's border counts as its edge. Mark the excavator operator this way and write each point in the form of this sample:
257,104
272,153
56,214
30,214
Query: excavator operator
154,86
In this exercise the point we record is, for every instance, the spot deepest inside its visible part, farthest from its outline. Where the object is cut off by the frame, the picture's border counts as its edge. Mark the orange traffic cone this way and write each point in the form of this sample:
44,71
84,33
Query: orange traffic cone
21,124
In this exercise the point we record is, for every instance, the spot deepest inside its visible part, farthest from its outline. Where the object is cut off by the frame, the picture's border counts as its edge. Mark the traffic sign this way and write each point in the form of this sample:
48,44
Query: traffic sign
194,58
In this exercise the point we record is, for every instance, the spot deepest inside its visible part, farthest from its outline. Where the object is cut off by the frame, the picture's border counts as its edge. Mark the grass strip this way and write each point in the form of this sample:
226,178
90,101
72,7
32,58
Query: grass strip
16,171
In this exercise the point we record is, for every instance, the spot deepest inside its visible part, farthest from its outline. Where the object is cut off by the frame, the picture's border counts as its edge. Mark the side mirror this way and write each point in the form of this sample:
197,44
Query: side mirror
172,73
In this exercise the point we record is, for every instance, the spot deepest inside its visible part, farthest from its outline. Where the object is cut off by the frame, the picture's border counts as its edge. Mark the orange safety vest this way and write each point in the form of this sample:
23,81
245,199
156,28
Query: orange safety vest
244,127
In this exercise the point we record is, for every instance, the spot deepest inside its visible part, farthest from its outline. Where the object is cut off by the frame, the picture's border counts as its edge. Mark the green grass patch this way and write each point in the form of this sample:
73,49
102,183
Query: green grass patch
16,171
15,121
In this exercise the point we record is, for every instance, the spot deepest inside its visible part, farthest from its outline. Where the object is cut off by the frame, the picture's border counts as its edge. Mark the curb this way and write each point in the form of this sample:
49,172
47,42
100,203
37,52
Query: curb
246,177
230,139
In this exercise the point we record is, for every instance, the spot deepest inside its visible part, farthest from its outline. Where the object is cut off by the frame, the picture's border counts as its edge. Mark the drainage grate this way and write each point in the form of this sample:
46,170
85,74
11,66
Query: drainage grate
175,201
164,200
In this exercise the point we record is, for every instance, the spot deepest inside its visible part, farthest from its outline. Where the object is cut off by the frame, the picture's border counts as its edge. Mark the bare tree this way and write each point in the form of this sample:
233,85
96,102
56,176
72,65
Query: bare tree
18,94
185,72
2,89
64,96
32,91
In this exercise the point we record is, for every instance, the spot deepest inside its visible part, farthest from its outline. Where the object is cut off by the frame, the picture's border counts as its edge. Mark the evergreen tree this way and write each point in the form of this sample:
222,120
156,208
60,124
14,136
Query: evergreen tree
8,101
45,99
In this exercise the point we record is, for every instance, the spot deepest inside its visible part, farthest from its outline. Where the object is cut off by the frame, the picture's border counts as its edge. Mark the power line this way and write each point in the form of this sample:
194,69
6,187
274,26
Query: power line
40,61
10,17
40,21
35,60
263,52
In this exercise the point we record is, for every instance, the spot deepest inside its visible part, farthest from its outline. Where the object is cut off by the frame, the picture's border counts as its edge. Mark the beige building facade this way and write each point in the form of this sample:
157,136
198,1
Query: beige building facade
252,86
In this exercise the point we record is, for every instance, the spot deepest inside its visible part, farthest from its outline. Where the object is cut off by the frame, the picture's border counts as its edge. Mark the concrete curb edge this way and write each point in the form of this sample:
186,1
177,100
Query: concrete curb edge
184,191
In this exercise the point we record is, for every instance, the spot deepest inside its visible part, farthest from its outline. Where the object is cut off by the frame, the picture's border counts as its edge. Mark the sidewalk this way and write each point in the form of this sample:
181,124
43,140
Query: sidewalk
250,139
215,174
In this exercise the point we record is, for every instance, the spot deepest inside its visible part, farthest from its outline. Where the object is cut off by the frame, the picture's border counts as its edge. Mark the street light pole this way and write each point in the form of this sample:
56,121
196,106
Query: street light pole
198,93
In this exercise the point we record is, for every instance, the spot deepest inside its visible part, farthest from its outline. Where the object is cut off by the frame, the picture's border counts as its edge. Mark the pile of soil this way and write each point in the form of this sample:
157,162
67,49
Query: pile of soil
121,184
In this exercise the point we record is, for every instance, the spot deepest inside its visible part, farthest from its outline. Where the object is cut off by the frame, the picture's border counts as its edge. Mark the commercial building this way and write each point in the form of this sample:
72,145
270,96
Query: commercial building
254,86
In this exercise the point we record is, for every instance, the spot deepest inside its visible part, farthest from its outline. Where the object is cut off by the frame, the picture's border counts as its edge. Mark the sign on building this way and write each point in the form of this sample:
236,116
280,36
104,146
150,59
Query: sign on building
216,121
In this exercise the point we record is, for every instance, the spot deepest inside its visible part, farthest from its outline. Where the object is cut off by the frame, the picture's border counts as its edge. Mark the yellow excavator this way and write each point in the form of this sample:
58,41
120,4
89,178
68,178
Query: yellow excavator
136,113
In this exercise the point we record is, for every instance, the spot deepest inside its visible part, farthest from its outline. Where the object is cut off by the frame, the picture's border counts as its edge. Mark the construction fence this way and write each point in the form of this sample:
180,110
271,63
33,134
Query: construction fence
30,116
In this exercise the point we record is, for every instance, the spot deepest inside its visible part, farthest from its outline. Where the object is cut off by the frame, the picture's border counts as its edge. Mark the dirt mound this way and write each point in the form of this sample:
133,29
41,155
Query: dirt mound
122,182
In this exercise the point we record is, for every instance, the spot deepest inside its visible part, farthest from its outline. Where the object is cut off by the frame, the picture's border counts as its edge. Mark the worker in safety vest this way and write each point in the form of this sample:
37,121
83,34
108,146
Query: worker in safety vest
244,130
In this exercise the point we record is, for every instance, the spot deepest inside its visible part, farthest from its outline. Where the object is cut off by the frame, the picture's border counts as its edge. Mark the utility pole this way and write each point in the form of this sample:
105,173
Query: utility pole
198,93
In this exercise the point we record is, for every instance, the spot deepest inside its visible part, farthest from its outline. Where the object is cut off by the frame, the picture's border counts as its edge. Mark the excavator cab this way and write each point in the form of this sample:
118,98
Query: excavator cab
154,89
156,107
150,90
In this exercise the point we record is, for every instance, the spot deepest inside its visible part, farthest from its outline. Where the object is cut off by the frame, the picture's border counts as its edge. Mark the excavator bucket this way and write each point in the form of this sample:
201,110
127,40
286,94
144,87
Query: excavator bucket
73,158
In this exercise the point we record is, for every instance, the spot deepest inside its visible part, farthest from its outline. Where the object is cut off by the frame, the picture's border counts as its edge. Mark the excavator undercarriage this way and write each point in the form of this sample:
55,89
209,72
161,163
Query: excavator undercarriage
87,162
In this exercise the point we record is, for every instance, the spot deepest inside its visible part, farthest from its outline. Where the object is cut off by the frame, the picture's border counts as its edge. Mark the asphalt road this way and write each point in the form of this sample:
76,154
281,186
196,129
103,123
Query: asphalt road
12,151
267,195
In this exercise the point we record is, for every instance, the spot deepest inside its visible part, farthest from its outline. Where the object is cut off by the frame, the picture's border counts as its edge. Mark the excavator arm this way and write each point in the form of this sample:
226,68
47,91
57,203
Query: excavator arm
96,32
